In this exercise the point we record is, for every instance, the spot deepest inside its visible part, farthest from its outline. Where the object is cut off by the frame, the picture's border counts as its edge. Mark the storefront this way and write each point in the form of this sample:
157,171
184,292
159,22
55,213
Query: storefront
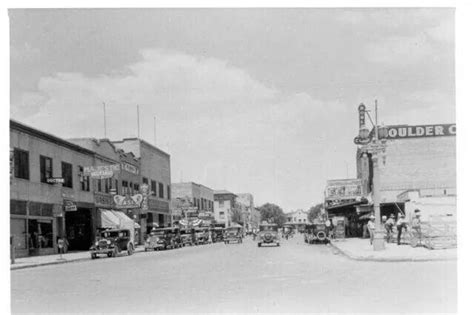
33,227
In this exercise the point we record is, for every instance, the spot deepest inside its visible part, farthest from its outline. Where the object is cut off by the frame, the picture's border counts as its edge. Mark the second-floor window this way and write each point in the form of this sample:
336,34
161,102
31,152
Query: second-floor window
153,188
168,192
66,172
46,168
99,185
145,180
161,190
85,180
124,187
22,163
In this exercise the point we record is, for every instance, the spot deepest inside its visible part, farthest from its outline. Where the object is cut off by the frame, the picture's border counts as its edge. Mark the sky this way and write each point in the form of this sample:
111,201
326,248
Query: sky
248,100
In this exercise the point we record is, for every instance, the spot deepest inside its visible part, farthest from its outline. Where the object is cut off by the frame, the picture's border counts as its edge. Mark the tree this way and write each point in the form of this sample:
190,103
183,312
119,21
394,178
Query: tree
236,215
315,212
272,214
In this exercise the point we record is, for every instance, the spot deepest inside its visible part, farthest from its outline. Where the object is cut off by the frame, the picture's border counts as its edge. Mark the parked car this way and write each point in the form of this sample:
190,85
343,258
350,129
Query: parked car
203,235
233,234
268,234
316,234
163,238
188,237
112,242
218,234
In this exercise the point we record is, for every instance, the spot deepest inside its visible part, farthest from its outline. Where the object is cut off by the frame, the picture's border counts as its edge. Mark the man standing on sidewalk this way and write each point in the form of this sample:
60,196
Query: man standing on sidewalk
371,228
401,224
416,226
389,227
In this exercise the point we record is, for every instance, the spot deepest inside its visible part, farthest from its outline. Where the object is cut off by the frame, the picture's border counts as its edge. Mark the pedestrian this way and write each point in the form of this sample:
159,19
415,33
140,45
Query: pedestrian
389,227
401,224
416,226
371,228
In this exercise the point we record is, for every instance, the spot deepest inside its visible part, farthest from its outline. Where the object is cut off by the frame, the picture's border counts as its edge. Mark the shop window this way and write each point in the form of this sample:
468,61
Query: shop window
66,171
21,163
153,188
85,180
46,168
161,190
18,231
40,234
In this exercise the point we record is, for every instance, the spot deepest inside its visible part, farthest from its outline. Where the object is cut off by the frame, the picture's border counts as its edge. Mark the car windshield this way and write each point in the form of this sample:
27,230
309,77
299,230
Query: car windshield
113,234
268,228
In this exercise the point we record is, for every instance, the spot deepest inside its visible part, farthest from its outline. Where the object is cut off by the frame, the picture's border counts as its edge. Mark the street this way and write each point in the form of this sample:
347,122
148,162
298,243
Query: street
295,277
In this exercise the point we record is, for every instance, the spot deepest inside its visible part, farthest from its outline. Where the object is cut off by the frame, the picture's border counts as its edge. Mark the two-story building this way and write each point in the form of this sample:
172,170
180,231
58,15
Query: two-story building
224,205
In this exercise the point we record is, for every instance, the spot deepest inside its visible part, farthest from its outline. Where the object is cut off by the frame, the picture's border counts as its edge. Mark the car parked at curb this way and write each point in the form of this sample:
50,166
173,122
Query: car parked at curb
112,242
163,238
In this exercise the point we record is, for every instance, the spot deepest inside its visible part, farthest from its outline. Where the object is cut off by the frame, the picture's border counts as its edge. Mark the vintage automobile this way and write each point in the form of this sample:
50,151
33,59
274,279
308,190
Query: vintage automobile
316,234
268,234
188,237
163,238
202,235
217,234
111,242
233,234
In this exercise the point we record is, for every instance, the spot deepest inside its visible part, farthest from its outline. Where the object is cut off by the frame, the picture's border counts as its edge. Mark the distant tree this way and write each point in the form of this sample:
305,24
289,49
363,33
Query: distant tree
236,216
272,214
314,212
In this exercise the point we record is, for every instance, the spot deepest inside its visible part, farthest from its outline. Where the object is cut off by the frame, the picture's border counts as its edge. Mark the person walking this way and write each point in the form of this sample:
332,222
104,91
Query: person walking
416,226
371,228
389,227
401,224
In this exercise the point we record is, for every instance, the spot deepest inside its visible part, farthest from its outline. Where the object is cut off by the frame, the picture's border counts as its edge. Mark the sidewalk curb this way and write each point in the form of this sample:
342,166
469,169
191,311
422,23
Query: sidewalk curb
57,262
360,258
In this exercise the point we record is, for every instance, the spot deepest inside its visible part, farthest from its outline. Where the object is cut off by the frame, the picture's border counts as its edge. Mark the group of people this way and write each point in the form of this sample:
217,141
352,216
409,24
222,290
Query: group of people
401,224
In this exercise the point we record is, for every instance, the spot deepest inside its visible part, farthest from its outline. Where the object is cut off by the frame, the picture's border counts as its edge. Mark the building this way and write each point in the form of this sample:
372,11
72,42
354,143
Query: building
191,194
224,205
155,171
298,218
417,170
251,215
46,187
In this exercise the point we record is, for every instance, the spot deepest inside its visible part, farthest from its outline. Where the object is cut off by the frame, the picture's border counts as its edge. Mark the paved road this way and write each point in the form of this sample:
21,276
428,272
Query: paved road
295,277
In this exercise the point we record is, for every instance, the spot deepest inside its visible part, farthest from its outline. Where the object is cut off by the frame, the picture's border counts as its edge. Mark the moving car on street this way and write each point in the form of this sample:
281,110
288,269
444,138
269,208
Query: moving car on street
233,234
316,234
268,234
163,238
112,242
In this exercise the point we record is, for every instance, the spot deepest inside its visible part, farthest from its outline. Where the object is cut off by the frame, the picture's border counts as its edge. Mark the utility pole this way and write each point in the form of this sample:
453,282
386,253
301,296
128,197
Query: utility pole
138,121
105,122
154,128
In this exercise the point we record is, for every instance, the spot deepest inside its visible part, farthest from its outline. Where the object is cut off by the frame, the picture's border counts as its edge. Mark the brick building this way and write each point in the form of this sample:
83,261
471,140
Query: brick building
199,196
155,170
224,204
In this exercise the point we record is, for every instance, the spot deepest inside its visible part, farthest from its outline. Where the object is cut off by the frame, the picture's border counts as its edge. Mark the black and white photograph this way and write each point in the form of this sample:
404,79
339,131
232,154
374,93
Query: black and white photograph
232,160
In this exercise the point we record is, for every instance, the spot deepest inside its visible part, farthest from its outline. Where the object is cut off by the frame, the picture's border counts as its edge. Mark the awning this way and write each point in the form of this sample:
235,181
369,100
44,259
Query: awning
124,219
108,219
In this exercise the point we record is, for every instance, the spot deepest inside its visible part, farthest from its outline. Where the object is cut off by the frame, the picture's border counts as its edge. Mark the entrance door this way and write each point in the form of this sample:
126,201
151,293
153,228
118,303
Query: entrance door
79,229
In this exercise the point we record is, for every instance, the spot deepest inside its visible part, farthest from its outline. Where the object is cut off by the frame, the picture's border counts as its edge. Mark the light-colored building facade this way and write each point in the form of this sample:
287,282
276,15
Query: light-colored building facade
251,216
224,205
193,194
298,218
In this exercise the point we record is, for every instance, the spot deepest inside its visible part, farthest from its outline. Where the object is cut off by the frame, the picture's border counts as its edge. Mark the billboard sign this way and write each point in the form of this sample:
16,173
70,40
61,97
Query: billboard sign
101,171
128,202
419,131
343,189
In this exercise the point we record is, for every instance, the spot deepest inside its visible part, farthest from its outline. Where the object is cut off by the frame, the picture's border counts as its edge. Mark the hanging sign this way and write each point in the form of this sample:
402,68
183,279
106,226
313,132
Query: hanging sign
55,180
144,190
69,205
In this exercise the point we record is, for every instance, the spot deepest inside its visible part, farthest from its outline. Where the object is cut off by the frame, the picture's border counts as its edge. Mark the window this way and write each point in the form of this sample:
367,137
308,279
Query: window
145,180
46,168
66,171
136,188
116,186
168,192
202,204
221,214
124,187
22,164
153,188
108,185
161,190
85,180
99,185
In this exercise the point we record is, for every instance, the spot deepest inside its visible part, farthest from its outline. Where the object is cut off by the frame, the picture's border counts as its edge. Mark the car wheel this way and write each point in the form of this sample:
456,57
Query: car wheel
109,254
259,244
93,256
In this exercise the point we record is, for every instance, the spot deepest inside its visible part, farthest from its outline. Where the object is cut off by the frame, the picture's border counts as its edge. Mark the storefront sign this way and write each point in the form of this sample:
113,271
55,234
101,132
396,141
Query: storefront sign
69,205
128,202
421,131
130,168
55,180
101,171
343,189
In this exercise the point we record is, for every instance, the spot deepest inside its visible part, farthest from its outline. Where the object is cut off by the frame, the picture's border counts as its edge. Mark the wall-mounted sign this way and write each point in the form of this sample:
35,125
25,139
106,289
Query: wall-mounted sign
128,202
101,171
69,205
103,200
419,131
343,189
130,168
144,190
55,180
